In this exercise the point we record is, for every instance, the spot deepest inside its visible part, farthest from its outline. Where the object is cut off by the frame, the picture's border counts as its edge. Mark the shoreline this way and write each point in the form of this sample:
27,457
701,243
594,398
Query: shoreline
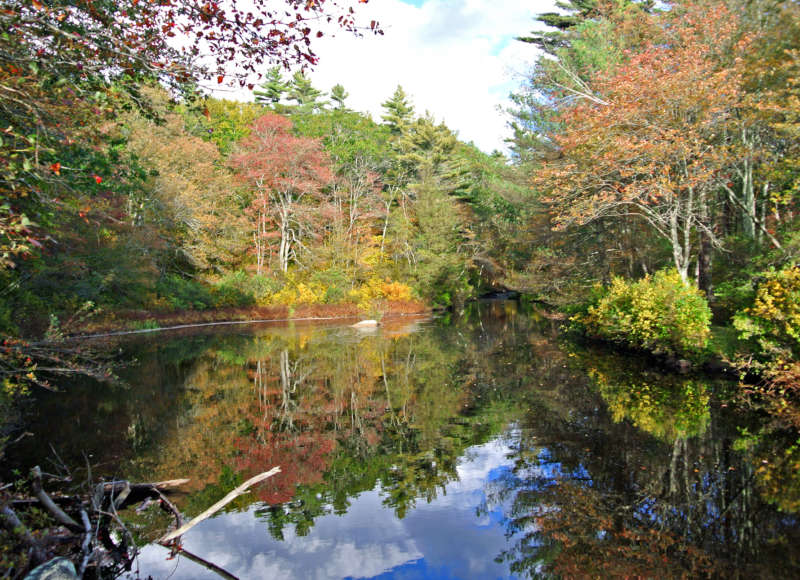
125,323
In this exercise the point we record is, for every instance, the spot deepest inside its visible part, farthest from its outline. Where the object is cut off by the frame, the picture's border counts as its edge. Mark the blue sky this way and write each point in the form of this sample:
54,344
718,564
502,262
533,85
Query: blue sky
456,58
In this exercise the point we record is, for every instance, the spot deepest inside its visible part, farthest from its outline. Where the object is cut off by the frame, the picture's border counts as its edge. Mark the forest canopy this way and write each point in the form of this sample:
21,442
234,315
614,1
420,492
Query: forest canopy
646,137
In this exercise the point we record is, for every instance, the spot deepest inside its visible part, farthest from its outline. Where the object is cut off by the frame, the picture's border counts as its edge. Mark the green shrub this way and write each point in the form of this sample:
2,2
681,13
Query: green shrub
148,324
226,296
183,294
661,314
771,323
243,289
335,282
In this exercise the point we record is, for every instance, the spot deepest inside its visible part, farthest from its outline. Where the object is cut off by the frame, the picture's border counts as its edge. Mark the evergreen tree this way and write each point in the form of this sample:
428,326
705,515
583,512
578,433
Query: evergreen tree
304,93
574,12
425,146
399,111
273,88
338,95
581,42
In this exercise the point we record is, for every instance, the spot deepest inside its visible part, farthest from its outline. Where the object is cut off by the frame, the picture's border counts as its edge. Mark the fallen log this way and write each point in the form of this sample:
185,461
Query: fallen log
118,486
59,514
208,565
220,504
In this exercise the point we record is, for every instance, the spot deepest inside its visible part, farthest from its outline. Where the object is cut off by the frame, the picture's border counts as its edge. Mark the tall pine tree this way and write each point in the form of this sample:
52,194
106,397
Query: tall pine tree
305,95
338,96
399,111
272,90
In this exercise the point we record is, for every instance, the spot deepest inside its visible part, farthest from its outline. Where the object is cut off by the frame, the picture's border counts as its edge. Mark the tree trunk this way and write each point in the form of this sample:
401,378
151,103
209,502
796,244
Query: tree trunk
748,191
283,254
704,256
680,253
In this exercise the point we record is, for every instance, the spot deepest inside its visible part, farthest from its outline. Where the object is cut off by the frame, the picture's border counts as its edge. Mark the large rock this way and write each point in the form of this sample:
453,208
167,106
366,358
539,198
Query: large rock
55,569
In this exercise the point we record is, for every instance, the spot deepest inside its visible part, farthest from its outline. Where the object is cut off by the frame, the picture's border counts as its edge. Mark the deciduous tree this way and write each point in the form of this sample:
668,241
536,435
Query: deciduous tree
649,146
287,174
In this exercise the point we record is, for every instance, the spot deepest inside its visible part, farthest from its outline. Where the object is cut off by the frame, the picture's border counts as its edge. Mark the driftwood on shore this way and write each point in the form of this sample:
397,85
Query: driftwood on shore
88,520
220,504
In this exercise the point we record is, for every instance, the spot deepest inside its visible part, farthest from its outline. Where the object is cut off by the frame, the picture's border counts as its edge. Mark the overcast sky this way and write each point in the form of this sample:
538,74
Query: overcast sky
456,58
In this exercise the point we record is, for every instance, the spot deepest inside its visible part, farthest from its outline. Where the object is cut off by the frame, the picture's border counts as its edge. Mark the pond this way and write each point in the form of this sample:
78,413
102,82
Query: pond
484,445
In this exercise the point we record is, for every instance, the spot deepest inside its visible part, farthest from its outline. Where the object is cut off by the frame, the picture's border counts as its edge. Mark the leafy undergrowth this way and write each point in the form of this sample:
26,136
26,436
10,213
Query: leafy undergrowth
660,313
724,342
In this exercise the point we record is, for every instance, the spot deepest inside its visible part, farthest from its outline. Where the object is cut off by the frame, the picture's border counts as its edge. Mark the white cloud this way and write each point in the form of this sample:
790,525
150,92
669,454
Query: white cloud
456,59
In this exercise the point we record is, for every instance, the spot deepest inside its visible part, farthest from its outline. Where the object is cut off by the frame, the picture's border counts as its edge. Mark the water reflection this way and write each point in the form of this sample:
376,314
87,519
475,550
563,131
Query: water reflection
650,483
367,540
482,446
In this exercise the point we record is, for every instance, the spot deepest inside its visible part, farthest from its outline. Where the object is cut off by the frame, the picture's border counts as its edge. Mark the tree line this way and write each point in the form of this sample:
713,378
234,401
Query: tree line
664,135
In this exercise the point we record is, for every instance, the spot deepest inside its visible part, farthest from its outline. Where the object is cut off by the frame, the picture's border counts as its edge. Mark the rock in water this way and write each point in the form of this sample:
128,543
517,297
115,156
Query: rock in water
55,569
365,324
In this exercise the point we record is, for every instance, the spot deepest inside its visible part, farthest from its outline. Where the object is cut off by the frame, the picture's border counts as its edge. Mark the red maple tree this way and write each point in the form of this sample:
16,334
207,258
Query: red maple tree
288,175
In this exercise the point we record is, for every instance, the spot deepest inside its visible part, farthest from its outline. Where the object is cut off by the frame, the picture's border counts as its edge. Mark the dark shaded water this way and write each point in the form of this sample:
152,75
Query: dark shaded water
485,446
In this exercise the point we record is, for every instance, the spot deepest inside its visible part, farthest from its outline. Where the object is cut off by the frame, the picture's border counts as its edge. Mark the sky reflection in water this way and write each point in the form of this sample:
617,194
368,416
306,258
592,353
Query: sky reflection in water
398,460
445,538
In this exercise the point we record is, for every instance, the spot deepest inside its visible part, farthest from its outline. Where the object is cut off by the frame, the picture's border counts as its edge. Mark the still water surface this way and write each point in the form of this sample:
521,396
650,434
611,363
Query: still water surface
483,446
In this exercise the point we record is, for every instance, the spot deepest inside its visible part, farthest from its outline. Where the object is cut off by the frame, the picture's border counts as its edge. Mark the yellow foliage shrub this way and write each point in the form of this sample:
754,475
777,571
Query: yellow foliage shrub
364,295
376,289
395,290
299,293
373,256
659,313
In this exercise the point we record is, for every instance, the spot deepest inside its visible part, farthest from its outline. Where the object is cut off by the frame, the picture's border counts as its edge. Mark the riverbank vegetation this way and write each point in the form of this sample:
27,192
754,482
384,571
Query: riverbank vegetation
126,189
660,143
650,193
646,140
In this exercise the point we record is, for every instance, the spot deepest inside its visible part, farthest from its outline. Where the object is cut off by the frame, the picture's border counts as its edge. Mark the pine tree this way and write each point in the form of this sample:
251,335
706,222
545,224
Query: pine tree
338,95
424,145
306,96
273,88
399,111
574,12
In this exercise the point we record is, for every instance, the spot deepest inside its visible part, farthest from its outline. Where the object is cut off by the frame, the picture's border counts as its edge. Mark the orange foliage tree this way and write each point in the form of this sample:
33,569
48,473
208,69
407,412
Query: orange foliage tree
651,142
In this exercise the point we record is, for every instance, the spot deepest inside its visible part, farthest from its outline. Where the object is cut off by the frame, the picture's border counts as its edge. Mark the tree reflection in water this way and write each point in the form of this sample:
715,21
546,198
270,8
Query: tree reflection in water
641,476
618,469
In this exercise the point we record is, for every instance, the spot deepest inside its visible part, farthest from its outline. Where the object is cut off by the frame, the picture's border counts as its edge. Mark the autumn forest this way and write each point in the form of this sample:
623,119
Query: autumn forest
647,201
